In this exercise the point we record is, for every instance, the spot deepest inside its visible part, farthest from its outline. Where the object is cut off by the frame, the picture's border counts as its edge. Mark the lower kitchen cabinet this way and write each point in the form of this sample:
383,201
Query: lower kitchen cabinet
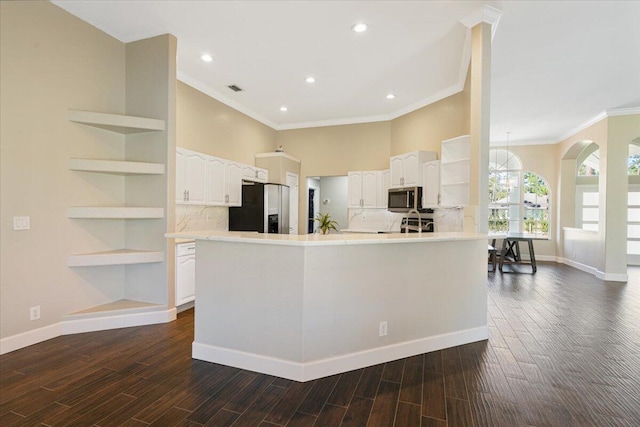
185,273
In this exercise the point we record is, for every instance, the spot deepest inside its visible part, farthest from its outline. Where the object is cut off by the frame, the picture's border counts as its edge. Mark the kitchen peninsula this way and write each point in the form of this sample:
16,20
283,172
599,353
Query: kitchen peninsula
308,306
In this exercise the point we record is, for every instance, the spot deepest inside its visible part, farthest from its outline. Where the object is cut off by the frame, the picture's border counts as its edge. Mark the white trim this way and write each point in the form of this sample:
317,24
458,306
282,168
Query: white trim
25,339
445,93
583,126
487,14
277,154
206,89
622,111
579,266
334,122
325,367
612,277
102,323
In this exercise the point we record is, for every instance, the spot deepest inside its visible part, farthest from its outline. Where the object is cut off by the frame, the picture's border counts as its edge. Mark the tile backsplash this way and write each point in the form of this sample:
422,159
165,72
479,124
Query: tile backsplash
190,218
383,220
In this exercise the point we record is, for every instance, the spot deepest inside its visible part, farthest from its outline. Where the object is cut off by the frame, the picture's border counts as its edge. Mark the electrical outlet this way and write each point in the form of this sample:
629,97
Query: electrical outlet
382,329
34,313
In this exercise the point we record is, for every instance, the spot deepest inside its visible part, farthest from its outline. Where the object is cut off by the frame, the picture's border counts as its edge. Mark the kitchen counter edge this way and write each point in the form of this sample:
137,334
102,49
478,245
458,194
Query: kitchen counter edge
325,240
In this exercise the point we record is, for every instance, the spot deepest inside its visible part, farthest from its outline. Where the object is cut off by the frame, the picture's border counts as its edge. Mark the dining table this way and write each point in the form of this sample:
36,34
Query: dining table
510,252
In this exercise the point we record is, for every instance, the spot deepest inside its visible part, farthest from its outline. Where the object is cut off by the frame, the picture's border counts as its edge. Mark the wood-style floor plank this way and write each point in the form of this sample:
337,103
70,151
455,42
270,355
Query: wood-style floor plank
564,350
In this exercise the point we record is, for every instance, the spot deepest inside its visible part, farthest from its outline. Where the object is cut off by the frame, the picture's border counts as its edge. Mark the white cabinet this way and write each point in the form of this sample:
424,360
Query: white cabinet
406,169
430,183
190,177
224,182
185,272
210,181
384,181
455,171
366,188
255,174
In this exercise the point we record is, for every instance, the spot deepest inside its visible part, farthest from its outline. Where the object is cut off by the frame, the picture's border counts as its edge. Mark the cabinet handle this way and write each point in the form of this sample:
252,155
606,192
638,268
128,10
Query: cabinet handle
226,198
187,195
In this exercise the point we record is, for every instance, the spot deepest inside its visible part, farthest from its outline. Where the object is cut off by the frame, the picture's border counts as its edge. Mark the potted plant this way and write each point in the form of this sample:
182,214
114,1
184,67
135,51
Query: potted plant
325,223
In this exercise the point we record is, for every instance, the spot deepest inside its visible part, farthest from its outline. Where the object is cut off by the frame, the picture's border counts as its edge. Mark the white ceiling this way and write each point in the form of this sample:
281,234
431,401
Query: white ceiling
555,66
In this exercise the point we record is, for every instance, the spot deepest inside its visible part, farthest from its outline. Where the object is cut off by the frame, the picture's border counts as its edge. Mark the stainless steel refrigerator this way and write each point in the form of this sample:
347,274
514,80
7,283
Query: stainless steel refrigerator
265,208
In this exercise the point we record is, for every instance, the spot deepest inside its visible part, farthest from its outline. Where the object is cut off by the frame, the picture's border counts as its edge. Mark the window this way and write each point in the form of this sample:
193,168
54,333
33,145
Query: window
518,201
505,170
536,205
587,207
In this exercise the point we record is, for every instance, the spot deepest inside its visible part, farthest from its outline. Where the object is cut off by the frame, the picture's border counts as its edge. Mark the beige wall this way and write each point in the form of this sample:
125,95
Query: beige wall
211,127
51,62
426,128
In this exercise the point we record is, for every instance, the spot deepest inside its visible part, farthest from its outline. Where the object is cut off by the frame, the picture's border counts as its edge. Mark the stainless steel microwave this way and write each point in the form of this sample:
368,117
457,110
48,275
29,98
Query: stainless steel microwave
405,199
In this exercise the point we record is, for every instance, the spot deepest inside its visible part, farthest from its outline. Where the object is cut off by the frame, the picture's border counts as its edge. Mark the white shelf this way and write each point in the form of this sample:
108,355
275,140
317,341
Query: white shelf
124,212
116,122
116,167
117,257
123,306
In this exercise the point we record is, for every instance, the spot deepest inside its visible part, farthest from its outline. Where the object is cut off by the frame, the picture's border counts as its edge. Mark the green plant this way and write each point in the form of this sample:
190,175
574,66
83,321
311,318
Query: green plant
325,223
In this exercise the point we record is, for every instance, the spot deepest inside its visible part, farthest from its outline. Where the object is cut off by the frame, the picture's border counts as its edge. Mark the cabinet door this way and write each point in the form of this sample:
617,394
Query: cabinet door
181,155
233,184
396,171
430,182
354,191
411,170
384,180
249,173
262,175
215,181
369,189
195,180
185,279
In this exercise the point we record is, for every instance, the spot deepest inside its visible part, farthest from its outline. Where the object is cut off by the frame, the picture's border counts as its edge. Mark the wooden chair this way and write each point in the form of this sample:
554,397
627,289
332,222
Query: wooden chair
492,257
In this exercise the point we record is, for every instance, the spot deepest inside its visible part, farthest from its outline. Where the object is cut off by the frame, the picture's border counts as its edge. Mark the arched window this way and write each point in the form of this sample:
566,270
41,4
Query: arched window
633,206
587,192
505,170
518,201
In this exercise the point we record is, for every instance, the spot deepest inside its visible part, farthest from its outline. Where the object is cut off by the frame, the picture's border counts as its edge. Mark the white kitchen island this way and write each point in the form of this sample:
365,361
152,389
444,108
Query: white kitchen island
308,306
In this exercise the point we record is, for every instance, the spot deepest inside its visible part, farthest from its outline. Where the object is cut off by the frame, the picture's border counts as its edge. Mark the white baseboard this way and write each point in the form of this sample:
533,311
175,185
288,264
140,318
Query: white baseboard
325,367
609,277
77,326
25,339
612,277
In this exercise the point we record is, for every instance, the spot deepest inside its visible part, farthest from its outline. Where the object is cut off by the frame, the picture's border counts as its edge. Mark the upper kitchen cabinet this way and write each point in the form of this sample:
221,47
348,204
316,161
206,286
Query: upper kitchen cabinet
455,171
431,183
224,182
254,174
367,189
190,177
406,169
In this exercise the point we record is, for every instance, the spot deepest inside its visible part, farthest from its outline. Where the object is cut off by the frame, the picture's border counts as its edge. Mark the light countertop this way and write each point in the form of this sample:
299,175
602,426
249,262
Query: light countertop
322,240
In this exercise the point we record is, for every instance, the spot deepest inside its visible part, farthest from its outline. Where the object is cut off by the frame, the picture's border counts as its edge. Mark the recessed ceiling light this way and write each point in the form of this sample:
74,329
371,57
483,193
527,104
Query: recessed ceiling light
310,79
283,108
206,57
359,27
390,96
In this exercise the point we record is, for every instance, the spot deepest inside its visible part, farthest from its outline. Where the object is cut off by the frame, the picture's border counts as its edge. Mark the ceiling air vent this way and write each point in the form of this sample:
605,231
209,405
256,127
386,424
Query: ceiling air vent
234,88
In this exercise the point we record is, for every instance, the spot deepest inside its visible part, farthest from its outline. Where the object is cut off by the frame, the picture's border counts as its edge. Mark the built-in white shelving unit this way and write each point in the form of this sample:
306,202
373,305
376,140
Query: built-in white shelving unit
455,171
121,306
124,125
116,122
116,167
116,257
117,212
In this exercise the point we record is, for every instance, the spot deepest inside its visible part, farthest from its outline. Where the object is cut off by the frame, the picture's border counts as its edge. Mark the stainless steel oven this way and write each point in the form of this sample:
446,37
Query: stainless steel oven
405,199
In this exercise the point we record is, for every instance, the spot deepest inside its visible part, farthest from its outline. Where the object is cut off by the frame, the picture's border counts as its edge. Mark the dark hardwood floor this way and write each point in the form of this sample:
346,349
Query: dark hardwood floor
564,350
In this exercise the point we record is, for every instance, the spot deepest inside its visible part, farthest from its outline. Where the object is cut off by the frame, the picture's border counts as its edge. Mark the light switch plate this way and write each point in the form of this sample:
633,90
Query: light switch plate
21,222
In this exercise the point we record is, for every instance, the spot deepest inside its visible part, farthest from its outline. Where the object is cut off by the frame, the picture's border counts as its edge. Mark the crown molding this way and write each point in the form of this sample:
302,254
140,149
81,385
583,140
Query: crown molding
487,14
580,128
334,122
206,89
622,111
